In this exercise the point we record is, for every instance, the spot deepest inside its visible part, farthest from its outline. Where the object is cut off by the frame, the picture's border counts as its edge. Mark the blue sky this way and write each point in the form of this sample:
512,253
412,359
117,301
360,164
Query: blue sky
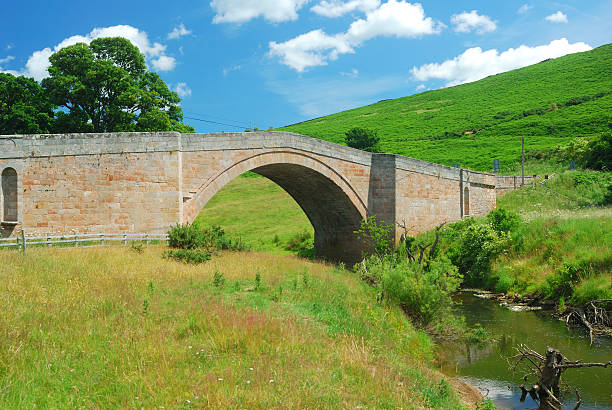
276,62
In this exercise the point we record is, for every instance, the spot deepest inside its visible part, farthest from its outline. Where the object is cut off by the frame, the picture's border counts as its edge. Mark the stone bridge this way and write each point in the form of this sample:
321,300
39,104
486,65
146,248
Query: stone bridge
146,182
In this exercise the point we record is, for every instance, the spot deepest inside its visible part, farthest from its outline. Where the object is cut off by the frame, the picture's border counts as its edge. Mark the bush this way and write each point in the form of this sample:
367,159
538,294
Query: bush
423,291
474,252
185,236
212,238
599,154
188,255
363,139
503,221
299,242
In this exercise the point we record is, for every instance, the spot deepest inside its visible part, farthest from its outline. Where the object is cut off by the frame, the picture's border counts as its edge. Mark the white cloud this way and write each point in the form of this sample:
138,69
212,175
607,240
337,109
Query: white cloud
182,90
557,17
315,48
475,63
9,46
38,63
163,63
466,22
337,8
524,8
178,32
354,73
394,18
310,49
420,87
6,59
241,11
228,70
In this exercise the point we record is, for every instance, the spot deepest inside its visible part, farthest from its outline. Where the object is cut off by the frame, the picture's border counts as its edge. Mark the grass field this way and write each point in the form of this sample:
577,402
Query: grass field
257,210
471,124
112,327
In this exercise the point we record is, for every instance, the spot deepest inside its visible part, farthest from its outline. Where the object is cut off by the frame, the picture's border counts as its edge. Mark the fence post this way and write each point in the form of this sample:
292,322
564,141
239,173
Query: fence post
147,239
48,241
102,239
76,240
125,238
23,242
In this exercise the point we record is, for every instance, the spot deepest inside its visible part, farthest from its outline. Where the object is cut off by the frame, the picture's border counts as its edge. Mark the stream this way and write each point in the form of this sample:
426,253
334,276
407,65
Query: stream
485,366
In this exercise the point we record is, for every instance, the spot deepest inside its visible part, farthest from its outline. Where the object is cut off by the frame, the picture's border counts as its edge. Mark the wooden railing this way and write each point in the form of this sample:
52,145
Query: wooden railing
80,240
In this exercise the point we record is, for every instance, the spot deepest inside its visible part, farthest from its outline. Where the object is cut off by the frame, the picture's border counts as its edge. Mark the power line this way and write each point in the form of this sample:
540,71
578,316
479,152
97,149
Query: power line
214,122
216,117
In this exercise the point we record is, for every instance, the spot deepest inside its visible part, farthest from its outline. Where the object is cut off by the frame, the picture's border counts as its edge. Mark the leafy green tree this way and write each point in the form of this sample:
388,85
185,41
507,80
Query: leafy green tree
363,139
24,107
599,153
106,87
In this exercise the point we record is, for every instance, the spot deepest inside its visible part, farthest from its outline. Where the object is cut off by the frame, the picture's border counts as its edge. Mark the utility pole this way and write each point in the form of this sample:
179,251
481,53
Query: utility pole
522,160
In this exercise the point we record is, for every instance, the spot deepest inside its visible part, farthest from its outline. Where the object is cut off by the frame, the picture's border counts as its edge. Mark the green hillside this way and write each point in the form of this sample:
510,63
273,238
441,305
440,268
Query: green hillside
549,102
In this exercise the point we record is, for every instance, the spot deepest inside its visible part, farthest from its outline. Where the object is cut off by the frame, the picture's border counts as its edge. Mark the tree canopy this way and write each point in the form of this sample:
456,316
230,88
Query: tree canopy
363,139
105,87
24,107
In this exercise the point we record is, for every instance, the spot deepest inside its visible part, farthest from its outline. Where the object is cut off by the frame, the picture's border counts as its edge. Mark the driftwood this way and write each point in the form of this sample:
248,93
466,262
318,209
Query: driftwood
593,316
548,369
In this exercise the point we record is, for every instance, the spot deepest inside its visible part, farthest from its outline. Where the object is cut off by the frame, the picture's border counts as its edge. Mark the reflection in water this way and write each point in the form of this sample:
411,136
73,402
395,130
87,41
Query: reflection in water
486,368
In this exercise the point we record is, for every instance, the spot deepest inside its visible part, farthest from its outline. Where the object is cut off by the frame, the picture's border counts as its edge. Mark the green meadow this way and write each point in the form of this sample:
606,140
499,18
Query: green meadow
549,103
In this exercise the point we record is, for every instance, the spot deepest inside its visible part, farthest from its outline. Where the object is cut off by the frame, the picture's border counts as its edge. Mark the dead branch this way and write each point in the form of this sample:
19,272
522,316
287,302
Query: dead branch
432,251
423,249
548,370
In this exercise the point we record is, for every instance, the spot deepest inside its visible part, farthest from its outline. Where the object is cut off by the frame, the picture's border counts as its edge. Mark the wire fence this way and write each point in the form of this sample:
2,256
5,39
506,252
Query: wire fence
77,240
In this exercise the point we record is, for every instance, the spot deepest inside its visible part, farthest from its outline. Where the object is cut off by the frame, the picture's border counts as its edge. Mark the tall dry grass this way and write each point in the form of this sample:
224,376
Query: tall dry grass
111,327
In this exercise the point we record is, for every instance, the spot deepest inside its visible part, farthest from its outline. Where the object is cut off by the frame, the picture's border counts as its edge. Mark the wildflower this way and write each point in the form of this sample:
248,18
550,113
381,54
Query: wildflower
271,380
220,379
250,368
248,382
190,347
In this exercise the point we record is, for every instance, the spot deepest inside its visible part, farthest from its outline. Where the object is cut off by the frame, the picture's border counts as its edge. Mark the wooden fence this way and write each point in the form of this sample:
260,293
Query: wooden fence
80,240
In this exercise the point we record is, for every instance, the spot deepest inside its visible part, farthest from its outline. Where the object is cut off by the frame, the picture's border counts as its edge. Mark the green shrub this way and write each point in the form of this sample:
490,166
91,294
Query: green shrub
475,250
214,238
363,139
188,255
599,154
186,236
503,221
423,291
211,238
218,279
299,242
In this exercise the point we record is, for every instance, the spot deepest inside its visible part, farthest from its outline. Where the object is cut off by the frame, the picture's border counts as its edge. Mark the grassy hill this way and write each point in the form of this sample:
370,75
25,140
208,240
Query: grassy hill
549,102
115,328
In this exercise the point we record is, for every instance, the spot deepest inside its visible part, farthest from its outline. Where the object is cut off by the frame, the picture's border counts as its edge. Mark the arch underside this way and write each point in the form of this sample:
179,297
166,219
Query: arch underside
332,206
330,211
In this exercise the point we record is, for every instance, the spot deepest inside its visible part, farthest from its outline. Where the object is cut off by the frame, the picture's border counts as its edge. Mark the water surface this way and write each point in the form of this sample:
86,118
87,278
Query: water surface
486,368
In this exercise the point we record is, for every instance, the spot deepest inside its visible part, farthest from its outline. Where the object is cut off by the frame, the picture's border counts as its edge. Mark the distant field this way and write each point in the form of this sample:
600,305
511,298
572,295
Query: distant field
471,124
258,210
114,328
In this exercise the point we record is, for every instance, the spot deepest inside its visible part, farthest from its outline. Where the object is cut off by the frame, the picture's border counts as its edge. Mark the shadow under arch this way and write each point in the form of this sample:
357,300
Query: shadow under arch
333,207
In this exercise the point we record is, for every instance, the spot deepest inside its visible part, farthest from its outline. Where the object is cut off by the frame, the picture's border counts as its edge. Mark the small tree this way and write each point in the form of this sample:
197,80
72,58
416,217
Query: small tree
363,139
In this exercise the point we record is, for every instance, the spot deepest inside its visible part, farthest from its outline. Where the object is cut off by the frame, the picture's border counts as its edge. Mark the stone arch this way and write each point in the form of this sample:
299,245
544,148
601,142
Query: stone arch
10,213
333,207
466,201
